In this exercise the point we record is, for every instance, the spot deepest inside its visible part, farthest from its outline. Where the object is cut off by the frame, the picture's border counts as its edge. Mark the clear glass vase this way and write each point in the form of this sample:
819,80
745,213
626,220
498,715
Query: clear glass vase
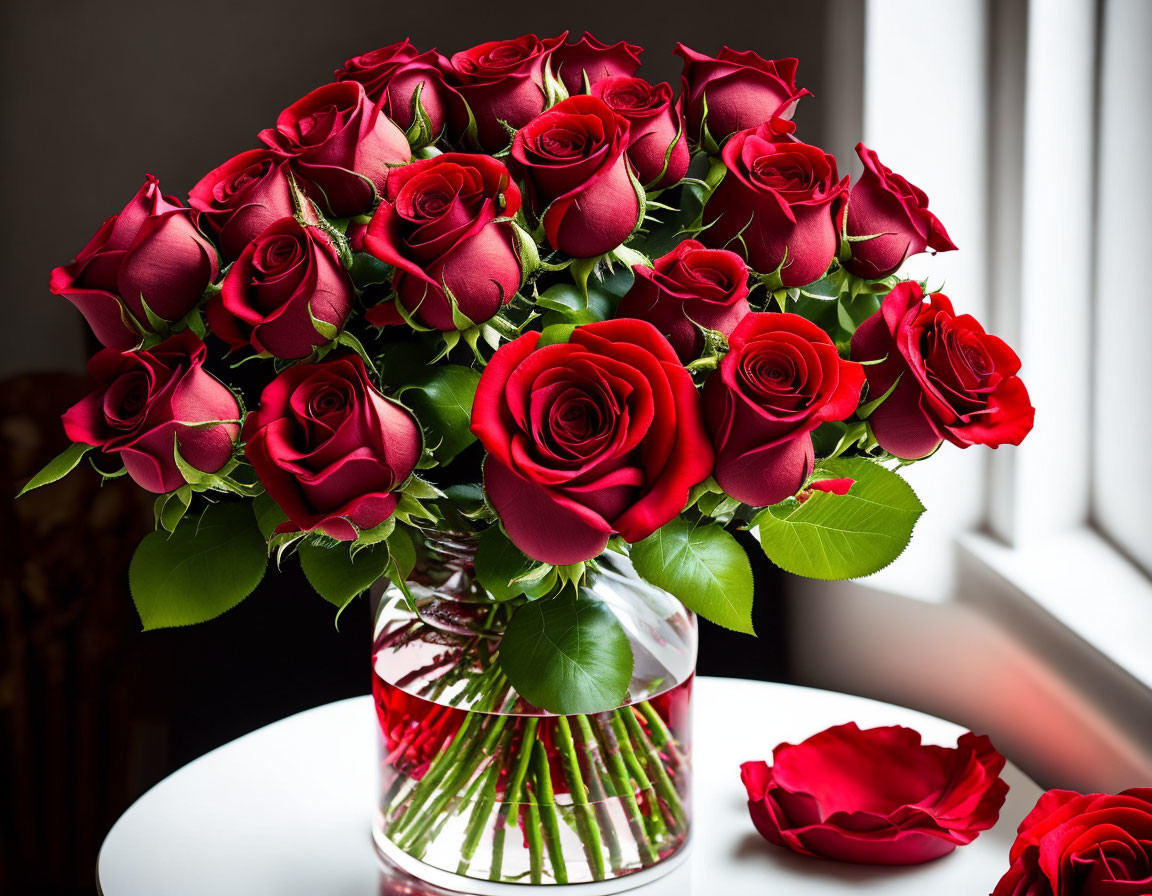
478,788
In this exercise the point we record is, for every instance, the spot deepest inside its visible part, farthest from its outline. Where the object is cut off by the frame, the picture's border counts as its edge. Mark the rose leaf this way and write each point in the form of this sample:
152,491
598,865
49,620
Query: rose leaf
703,566
834,537
208,565
567,654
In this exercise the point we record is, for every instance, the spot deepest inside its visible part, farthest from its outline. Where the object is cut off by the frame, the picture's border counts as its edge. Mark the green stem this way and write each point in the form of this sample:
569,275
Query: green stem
654,818
586,827
597,775
547,800
619,775
512,795
458,777
481,811
535,840
655,765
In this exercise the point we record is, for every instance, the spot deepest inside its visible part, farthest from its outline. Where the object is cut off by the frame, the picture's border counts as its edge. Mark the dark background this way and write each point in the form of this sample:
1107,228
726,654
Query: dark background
92,96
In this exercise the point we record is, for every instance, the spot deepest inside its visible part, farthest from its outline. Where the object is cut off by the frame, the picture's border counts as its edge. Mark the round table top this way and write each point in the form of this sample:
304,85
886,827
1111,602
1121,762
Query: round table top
287,809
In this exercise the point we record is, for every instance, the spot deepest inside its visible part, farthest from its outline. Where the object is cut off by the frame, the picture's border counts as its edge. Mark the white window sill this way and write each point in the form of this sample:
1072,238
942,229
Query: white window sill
1077,580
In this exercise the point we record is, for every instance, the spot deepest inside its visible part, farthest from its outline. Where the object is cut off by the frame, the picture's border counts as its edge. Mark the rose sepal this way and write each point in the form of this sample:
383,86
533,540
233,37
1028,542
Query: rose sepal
57,468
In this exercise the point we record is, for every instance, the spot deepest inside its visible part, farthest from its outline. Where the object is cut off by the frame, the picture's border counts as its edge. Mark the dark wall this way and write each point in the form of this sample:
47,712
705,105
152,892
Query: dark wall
92,96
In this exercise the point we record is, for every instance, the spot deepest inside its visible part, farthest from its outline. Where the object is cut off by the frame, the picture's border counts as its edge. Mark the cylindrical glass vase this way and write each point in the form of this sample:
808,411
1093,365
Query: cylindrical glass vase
479,789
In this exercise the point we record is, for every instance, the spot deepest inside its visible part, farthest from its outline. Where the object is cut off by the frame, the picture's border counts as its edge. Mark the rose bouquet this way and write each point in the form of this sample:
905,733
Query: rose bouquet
527,338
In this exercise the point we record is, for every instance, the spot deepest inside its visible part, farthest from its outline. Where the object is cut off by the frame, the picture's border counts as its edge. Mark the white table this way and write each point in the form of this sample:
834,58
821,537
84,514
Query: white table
286,810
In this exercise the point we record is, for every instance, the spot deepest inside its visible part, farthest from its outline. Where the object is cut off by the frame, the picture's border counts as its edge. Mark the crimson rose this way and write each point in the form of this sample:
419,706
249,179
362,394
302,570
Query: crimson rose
392,75
151,253
503,84
876,796
657,147
596,436
340,144
443,226
893,215
689,288
330,449
150,403
1072,844
287,279
591,59
735,91
775,206
240,198
782,378
948,378
572,158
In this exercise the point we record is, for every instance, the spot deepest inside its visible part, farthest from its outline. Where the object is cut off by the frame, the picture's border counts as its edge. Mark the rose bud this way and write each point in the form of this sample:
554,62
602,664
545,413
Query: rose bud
591,59
889,220
775,206
287,279
236,201
876,796
689,288
948,378
503,84
782,378
329,449
1094,844
572,158
150,403
340,145
149,253
443,226
735,91
392,75
657,147
600,435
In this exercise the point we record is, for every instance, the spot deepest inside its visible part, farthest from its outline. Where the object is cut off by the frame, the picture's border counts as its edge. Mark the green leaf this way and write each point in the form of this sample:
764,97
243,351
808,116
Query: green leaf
170,508
501,566
403,551
58,467
441,397
268,515
704,567
336,575
207,566
842,536
555,333
368,270
567,654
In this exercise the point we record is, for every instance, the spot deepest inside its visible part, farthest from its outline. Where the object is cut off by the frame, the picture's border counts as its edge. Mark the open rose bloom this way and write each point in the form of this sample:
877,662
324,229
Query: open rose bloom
489,332
876,796
1094,844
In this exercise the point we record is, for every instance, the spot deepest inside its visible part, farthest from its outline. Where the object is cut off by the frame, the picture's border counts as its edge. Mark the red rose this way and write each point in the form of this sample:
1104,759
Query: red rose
330,449
503,84
288,278
240,198
952,380
735,91
1095,844
391,77
590,58
596,436
875,796
657,147
775,206
438,226
341,145
689,288
572,158
149,253
149,403
894,215
782,377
